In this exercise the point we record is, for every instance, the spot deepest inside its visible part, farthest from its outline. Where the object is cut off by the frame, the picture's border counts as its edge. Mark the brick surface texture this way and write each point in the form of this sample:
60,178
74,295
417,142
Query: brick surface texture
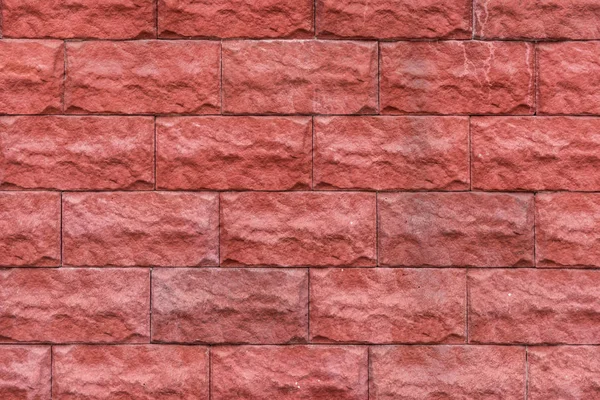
299,200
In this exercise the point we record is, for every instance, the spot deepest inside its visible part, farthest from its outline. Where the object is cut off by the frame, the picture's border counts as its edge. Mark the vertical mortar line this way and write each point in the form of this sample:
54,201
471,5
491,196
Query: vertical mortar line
536,79
64,80
308,308
377,228
378,77
470,146
151,271
467,305
61,230
210,372
155,153
221,75
473,19
315,18
51,371
312,172
219,229
526,372
1,19
534,233
368,372
156,17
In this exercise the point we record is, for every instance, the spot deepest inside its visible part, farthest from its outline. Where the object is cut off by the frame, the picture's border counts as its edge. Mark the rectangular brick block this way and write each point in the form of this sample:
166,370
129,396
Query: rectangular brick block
260,306
31,76
447,372
456,229
236,19
534,306
535,153
391,153
29,229
103,19
394,19
76,153
234,153
140,229
302,77
130,372
387,305
298,229
289,372
143,77
74,305
25,372
457,77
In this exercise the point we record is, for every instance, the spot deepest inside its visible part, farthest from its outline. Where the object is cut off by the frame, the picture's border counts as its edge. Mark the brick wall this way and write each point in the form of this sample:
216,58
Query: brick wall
288,199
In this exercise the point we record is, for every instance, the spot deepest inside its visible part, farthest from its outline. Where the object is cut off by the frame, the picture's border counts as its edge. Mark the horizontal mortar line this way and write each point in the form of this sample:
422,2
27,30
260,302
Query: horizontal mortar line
285,115
301,267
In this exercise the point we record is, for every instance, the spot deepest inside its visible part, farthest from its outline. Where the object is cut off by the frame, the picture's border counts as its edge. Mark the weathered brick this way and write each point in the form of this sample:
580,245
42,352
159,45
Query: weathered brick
31,76
457,77
221,153
534,306
387,305
140,229
29,229
447,372
104,19
76,153
25,372
394,19
142,372
236,19
391,153
214,305
74,305
298,229
535,153
456,229
143,77
289,373
303,77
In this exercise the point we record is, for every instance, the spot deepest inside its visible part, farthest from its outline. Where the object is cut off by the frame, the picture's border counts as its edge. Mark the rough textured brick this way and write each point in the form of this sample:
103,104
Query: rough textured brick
31,76
75,153
534,306
74,305
302,77
393,19
298,229
220,153
25,372
456,229
140,229
565,372
535,153
447,372
387,305
537,19
290,373
229,305
569,78
457,77
105,19
29,229
144,372
143,77
240,18
388,153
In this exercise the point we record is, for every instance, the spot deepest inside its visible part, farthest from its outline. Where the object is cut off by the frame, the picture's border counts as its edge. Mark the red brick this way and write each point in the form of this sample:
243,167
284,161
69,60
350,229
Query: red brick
76,153
447,372
302,77
457,77
229,305
534,306
25,372
142,372
535,153
143,77
31,76
298,229
538,19
289,373
569,78
564,372
236,19
394,19
104,19
29,229
391,153
74,305
456,229
387,305
221,153
140,229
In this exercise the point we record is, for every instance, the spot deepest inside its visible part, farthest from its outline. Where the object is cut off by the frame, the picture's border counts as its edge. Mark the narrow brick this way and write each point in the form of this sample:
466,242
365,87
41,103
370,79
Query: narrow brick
25,372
